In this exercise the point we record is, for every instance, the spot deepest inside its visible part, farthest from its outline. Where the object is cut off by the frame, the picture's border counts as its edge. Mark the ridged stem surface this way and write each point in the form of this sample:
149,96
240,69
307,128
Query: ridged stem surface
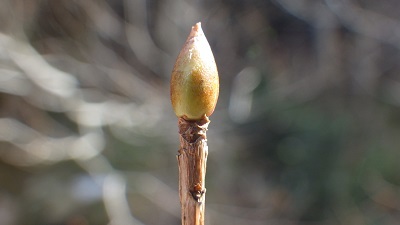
192,160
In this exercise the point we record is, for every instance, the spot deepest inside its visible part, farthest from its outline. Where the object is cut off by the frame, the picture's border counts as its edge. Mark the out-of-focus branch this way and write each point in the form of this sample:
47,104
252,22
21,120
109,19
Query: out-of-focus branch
363,21
29,75
366,22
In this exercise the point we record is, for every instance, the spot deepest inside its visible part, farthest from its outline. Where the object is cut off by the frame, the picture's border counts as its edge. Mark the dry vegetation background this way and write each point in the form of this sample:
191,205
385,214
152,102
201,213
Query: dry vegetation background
306,130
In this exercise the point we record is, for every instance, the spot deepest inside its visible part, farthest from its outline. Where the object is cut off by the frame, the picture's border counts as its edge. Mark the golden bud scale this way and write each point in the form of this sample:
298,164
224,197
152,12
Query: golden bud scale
194,80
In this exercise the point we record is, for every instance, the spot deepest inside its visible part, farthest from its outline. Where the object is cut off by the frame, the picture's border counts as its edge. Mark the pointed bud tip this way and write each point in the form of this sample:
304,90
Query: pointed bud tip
196,31
197,26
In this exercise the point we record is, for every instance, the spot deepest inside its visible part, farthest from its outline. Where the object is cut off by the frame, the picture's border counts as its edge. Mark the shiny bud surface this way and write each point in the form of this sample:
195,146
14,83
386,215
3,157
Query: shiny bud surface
194,80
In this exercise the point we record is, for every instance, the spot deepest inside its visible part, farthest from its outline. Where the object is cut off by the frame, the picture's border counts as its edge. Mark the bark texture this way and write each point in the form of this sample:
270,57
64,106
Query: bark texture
192,160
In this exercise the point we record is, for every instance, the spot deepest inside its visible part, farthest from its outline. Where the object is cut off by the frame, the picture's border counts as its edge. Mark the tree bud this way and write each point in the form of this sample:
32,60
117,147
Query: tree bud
194,80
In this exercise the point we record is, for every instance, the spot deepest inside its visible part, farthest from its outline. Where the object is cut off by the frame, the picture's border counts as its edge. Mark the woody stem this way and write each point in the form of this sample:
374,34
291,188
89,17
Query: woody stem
192,160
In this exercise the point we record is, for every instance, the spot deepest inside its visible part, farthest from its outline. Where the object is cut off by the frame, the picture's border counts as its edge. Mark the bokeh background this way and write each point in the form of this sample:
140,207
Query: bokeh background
306,131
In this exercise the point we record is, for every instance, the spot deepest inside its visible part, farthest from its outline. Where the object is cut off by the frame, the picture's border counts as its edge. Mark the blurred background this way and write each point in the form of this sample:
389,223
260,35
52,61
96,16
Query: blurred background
306,130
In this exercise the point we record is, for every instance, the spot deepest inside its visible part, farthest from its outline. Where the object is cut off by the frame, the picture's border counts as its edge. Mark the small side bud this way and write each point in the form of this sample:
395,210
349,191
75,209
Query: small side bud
194,80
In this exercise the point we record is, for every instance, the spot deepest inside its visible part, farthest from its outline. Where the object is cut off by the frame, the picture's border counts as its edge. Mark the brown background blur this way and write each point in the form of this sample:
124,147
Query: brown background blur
306,130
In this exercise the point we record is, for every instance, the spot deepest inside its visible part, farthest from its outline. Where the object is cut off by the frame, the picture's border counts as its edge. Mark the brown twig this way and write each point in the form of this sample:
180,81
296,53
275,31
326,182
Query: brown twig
192,160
